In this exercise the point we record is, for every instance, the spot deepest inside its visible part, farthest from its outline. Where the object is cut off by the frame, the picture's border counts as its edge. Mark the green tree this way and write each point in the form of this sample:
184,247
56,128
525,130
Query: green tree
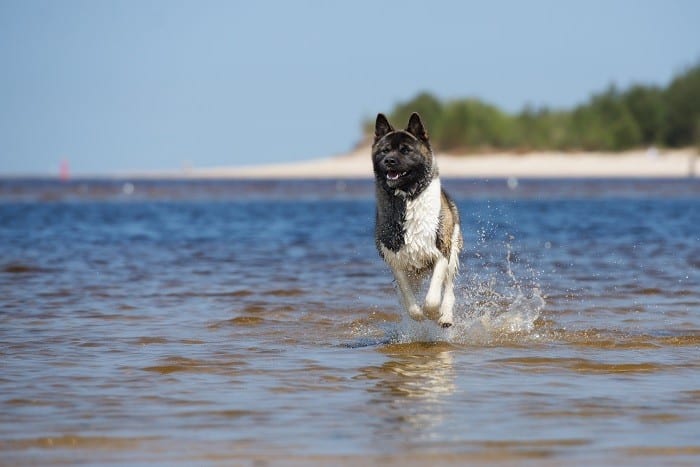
648,108
610,120
427,105
541,129
471,124
683,102
605,123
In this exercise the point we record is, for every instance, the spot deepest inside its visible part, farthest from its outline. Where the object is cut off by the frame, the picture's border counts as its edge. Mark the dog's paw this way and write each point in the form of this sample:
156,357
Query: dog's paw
416,313
445,319
432,310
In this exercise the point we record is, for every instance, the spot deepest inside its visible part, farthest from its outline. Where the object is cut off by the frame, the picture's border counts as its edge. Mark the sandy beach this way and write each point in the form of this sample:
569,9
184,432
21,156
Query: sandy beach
356,164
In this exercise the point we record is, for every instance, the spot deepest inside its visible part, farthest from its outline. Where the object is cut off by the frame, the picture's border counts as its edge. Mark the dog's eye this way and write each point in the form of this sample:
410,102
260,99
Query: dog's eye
404,150
385,151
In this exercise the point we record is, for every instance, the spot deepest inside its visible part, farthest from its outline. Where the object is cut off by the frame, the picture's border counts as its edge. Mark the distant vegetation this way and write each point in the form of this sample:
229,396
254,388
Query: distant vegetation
613,120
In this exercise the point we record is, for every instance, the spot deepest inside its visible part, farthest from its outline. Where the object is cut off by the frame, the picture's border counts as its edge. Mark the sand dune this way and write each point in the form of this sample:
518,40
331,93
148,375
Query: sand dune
357,164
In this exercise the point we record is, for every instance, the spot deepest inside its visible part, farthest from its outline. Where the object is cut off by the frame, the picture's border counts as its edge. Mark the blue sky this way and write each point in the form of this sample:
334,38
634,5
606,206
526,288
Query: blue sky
146,85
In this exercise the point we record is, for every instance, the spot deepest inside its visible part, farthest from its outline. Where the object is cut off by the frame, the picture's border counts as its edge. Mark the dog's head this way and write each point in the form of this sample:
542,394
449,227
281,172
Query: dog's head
402,159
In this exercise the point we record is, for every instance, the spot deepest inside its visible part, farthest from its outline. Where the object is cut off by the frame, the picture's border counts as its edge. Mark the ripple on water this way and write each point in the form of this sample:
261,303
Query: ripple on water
291,292
237,322
598,338
686,339
76,441
579,365
18,267
247,321
178,364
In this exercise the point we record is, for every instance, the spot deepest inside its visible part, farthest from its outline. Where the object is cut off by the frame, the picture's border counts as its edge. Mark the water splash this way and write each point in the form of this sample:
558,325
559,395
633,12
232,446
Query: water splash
492,306
499,317
483,316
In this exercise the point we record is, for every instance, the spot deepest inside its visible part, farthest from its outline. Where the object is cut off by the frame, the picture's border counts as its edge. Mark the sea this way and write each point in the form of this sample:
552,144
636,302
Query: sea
232,322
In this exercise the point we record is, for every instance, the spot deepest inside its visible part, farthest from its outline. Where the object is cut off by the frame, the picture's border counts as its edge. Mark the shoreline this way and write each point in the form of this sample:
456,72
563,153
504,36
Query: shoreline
676,163
356,164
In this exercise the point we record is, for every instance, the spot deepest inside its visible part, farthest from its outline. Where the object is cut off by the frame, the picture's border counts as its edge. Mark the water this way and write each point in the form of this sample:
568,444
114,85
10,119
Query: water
253,323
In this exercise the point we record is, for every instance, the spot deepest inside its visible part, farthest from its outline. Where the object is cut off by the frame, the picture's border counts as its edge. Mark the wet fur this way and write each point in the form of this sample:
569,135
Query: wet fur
417,228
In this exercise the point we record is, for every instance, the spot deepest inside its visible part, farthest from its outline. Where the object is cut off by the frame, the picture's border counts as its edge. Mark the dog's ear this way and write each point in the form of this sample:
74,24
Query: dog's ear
416,128
382,127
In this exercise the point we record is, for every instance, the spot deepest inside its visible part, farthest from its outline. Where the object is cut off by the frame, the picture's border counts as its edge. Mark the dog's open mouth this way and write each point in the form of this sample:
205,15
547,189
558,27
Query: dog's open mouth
394,175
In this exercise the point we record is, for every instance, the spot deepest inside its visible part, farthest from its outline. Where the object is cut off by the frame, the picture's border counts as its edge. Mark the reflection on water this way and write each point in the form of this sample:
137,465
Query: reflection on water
409,391
217,322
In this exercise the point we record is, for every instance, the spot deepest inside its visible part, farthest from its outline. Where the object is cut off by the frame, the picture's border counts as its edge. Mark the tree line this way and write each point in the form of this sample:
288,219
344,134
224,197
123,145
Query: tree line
612,120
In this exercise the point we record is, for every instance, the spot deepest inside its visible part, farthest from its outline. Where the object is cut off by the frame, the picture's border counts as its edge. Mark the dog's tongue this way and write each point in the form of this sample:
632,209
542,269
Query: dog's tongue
393,175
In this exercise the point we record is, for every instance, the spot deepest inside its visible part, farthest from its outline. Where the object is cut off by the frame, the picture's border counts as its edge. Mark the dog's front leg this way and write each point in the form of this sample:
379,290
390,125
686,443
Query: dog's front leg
408,298
448,302
434,295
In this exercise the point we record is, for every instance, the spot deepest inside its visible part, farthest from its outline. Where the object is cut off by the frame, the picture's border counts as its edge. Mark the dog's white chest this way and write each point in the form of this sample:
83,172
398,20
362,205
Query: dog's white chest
420,231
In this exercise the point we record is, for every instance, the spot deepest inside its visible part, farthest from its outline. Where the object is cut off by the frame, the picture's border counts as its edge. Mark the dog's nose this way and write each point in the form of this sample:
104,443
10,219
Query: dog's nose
390,161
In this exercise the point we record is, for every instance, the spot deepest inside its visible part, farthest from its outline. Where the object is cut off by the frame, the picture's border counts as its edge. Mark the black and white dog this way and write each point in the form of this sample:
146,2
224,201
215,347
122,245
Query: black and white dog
417,227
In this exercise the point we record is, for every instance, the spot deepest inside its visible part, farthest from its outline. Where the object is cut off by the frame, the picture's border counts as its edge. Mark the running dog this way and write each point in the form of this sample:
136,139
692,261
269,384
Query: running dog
417,225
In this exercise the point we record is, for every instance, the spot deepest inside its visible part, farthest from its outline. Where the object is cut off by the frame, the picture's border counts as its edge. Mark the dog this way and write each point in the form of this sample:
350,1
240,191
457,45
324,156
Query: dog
417,230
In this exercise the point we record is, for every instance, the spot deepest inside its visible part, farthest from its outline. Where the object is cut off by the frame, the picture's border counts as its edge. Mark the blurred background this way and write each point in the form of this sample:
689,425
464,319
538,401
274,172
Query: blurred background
109,86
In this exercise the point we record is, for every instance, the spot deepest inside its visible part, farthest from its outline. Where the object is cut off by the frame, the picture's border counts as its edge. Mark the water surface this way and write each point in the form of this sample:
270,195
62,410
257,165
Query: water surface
248,322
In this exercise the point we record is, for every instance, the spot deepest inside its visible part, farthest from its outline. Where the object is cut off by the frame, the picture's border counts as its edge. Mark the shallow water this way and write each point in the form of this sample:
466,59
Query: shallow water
253,322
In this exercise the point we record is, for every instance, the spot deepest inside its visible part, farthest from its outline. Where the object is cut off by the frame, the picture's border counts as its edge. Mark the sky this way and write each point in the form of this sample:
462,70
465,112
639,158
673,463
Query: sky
146,85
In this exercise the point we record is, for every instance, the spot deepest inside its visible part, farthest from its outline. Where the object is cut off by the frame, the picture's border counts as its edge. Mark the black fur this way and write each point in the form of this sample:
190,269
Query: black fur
389,230
406,152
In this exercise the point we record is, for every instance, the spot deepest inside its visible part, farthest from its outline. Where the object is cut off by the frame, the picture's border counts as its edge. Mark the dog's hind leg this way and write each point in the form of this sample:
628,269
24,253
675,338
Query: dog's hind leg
434,295
407,294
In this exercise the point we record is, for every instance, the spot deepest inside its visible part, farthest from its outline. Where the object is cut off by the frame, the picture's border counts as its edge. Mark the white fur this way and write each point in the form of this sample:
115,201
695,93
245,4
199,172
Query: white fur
418,252
420,248
448,298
